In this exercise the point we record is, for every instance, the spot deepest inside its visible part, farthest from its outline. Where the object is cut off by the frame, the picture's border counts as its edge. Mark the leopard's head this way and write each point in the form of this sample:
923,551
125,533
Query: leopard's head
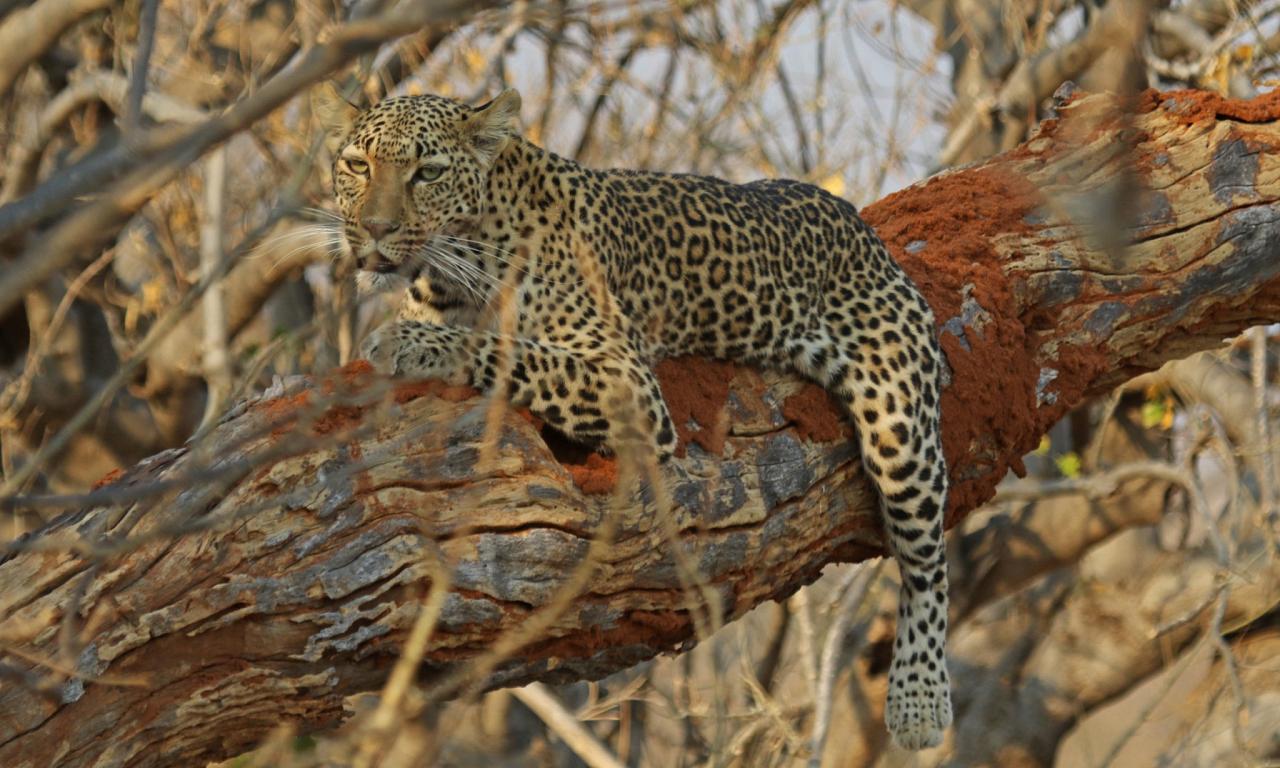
411,168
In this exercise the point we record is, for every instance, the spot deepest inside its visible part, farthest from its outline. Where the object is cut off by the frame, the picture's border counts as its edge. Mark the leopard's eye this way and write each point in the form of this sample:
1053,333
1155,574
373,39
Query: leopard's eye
357,166
429,173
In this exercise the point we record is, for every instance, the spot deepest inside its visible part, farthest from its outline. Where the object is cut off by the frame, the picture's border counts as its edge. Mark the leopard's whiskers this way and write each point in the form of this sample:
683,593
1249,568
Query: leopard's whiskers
458,270
459,266
322,213
328,231
477,274
450,272
503,256
322,237
332,247
457,254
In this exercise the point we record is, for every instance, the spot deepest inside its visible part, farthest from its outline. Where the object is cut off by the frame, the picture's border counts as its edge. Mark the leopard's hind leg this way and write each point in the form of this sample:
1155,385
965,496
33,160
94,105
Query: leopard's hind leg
886,375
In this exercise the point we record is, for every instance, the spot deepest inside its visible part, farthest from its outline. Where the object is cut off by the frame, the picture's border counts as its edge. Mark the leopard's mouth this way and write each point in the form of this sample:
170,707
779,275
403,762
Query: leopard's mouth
380,264
372,259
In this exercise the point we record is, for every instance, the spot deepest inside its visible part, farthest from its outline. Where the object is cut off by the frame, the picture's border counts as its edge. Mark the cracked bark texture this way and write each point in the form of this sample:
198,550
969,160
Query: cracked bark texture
305,588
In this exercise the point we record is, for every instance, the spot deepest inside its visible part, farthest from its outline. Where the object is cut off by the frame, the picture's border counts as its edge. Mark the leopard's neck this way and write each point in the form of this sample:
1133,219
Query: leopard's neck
530,188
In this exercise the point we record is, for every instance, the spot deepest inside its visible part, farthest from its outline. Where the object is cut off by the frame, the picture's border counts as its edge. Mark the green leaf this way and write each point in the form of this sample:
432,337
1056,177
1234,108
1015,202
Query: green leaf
1069,464
1153,413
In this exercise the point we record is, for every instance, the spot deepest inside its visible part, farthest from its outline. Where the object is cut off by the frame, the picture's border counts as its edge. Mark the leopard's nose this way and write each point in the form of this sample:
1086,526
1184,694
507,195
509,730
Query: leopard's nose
379,228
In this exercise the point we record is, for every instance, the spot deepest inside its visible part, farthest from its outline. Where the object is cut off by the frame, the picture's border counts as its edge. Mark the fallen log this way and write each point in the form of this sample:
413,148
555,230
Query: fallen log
196,600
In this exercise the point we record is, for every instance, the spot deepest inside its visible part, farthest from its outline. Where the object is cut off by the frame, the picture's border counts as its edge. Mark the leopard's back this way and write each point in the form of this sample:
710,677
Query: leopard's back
706,266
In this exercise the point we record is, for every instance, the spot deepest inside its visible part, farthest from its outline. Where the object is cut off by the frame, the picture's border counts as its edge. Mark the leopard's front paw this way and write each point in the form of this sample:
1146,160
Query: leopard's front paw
415,349
380,348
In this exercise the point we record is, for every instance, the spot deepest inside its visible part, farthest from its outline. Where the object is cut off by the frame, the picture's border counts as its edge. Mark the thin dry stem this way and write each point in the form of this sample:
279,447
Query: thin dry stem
543,703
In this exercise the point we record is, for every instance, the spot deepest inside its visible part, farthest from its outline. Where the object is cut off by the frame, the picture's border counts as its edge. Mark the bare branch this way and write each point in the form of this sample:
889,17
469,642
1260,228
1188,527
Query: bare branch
141,65
28,32
544,704
217,359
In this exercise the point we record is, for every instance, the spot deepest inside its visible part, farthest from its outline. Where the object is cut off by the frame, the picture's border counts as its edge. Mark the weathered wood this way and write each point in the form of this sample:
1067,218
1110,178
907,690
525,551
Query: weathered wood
306,585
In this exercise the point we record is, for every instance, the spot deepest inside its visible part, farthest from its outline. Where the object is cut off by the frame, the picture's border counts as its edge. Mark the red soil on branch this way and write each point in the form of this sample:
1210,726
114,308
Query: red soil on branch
597,475
697,391
1186,107
942,232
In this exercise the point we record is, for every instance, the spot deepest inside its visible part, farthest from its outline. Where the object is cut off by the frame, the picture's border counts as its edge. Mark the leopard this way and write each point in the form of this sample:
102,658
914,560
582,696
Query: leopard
611,270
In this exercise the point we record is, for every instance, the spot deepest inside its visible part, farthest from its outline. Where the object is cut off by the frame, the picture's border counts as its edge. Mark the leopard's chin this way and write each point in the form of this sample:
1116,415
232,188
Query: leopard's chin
369,283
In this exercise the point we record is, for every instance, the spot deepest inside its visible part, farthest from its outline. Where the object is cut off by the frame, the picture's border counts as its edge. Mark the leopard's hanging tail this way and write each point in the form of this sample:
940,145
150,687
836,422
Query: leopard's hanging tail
875,349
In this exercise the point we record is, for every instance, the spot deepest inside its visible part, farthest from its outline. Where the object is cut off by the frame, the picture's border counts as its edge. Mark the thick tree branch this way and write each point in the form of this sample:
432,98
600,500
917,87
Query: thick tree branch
302,568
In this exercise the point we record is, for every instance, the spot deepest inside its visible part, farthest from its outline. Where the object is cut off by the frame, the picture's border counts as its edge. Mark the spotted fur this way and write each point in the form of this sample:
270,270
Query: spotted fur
615,269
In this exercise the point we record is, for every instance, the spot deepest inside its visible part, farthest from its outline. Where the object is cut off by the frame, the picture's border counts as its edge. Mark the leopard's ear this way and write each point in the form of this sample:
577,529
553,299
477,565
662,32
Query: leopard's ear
335,114
494,124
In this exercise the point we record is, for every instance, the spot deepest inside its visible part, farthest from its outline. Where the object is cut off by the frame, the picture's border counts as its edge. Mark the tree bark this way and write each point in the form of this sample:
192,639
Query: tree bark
210,592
